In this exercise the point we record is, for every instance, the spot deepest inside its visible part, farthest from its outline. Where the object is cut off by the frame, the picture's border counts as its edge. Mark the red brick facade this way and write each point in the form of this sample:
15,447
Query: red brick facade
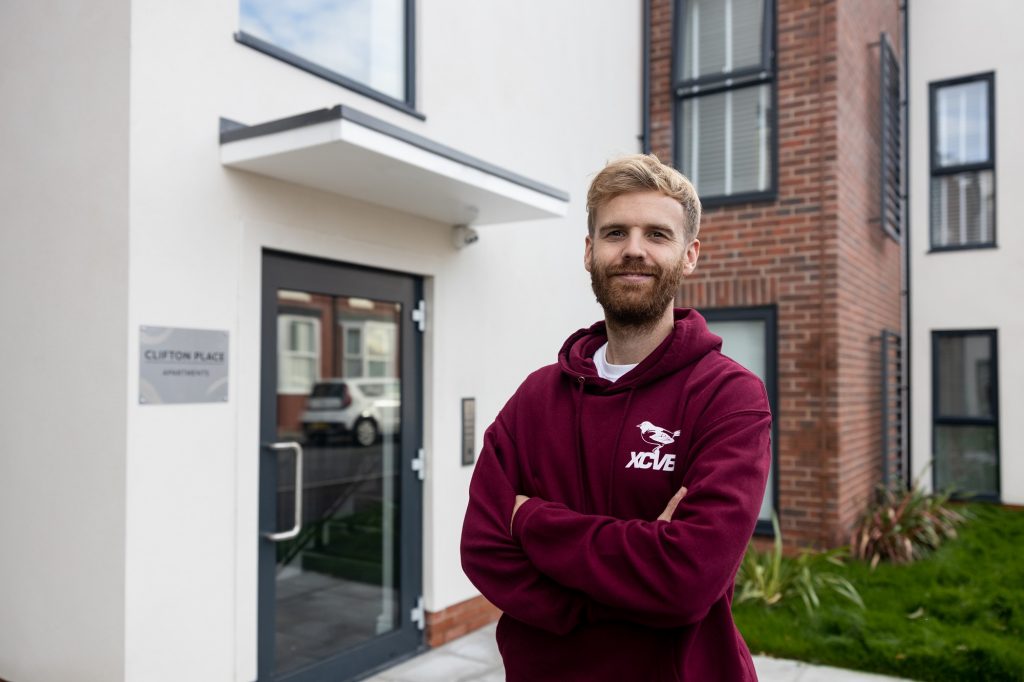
459,619
815,252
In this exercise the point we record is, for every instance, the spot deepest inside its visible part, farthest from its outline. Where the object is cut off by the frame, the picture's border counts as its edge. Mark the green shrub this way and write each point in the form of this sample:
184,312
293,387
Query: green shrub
769,577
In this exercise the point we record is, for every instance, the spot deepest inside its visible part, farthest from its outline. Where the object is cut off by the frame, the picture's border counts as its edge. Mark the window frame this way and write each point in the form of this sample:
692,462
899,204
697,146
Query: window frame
941,420
752,76
935,170
406,105
769,315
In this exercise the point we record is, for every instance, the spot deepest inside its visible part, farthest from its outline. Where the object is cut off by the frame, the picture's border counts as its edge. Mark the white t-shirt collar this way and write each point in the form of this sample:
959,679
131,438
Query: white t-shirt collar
605,370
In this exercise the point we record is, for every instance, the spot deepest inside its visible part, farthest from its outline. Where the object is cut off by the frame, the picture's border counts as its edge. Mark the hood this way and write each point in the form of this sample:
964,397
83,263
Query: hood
689,341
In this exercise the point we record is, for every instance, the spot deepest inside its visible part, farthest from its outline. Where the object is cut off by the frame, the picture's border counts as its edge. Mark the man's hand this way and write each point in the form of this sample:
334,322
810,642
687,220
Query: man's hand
670,508
520,499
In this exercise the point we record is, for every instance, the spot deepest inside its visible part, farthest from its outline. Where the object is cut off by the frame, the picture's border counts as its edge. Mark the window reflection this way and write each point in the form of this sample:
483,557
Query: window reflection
360,39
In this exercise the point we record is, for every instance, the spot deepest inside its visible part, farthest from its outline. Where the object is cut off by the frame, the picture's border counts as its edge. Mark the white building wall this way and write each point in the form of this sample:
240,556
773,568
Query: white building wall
64,293
544,89
970,289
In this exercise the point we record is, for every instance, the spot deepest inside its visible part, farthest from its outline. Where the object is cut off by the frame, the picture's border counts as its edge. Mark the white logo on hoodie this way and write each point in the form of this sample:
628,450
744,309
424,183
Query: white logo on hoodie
659,438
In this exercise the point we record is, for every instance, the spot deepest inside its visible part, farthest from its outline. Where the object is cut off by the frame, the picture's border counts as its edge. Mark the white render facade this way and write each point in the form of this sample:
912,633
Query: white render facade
966,93
136,526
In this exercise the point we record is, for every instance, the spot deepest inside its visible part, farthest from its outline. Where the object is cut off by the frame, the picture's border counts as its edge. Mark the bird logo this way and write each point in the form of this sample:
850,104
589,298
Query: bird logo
657,436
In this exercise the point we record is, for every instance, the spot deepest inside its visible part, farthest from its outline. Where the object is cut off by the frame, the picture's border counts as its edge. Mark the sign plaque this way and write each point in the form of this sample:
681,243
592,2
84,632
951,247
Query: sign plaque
468,431
179,365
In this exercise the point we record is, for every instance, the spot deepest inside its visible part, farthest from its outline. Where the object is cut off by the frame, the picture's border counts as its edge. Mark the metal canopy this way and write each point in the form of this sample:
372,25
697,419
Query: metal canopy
346,152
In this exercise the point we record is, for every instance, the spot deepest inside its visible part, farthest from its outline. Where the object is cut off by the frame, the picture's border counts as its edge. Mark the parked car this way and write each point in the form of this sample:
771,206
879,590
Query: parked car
360,408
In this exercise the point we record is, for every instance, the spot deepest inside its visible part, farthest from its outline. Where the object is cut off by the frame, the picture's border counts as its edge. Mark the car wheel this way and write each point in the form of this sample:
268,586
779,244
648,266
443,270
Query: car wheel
365,432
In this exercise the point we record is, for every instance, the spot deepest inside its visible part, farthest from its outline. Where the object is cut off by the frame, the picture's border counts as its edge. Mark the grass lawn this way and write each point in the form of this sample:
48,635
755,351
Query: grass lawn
956,615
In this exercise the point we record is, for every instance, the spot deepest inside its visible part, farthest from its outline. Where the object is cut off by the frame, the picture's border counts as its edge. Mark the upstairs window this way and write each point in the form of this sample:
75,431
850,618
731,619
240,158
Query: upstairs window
365,45
724,80
963,163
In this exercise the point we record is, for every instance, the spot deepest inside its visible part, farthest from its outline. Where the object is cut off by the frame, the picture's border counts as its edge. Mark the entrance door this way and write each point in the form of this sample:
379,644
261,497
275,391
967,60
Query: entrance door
340,540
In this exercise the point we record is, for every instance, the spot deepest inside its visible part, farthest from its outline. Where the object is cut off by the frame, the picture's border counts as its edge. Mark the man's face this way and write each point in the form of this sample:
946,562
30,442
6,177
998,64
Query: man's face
639,256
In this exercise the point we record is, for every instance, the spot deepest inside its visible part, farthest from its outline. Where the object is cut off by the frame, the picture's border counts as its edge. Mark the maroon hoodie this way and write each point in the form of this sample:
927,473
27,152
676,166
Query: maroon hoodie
592,586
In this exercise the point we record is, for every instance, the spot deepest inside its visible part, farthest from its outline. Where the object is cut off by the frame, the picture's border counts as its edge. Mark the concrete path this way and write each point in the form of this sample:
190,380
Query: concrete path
475,658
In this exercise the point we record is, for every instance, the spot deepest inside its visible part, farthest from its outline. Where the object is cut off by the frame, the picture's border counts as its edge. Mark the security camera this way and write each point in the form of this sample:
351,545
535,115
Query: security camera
463,236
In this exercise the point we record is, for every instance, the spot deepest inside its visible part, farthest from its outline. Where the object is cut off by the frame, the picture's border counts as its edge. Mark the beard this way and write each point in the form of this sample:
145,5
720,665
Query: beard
637,306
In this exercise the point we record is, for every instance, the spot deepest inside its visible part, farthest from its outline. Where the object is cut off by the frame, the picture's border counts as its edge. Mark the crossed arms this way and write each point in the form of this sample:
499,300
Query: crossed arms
555,568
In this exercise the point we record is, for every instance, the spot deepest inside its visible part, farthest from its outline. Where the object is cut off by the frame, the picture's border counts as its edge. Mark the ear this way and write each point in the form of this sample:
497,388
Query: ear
588,252
691,256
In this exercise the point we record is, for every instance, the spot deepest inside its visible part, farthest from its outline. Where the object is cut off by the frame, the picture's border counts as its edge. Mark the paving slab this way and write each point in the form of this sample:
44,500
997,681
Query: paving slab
475,658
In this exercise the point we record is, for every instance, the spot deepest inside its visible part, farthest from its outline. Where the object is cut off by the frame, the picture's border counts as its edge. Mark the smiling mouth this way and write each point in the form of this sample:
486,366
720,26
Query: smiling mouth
634,276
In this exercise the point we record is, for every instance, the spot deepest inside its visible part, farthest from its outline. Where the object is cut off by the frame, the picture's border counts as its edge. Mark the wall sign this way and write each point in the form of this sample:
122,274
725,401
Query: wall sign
468,431
182,365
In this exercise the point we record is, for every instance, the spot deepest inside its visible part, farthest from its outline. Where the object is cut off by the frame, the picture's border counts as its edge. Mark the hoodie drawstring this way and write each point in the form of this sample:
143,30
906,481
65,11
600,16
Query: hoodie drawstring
584,495
612,460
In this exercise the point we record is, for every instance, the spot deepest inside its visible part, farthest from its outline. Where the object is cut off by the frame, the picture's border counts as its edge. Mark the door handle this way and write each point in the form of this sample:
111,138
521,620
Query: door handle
294,530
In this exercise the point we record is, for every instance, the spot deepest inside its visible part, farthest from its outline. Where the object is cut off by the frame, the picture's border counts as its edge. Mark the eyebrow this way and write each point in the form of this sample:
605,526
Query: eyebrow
648,226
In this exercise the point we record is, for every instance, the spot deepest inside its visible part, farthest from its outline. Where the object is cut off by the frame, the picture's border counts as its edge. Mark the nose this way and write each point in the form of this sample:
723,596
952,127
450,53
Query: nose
634,246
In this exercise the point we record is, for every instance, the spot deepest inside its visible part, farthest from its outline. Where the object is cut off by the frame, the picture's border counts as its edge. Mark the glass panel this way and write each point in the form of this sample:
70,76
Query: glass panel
963,209
361,39
721,36
745,342
962,119
726,140
337,583
966,460
964,383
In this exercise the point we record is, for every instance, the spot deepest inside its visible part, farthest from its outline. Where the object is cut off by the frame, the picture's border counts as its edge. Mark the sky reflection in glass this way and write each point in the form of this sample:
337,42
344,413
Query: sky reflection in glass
361,39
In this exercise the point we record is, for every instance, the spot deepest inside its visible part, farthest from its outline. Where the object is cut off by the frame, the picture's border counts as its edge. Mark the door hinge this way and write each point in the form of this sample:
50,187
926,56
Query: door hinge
419,464
418,614
419,315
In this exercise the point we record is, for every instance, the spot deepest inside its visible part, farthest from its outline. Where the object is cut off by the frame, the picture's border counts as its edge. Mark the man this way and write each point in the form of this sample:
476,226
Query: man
617,489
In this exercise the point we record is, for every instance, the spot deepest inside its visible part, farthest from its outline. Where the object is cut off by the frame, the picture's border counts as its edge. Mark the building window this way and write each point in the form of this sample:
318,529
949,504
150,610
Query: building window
298,353
965,413
365,45
890,189
748,337
724,85
963,163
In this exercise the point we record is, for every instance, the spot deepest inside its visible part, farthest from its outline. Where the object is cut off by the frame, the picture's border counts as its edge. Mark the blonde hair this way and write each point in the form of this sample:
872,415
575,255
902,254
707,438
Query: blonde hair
640,173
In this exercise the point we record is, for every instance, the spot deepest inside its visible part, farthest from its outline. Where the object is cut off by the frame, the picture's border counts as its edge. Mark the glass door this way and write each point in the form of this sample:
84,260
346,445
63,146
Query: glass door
340,547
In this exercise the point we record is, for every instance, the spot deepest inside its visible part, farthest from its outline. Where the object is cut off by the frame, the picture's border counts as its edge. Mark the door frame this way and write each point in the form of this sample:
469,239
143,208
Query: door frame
287,271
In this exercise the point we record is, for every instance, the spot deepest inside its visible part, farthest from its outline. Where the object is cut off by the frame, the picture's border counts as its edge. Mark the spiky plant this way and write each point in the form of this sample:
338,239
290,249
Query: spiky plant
901,526
770,577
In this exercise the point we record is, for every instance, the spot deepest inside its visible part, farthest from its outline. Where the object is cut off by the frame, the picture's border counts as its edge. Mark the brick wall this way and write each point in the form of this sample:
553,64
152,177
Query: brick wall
869,260
459,619
813,252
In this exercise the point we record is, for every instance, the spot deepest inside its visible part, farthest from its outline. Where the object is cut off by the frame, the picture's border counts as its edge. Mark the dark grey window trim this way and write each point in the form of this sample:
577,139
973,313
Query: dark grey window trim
937,171
945,420
762,74
769,315
408,105
232,131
